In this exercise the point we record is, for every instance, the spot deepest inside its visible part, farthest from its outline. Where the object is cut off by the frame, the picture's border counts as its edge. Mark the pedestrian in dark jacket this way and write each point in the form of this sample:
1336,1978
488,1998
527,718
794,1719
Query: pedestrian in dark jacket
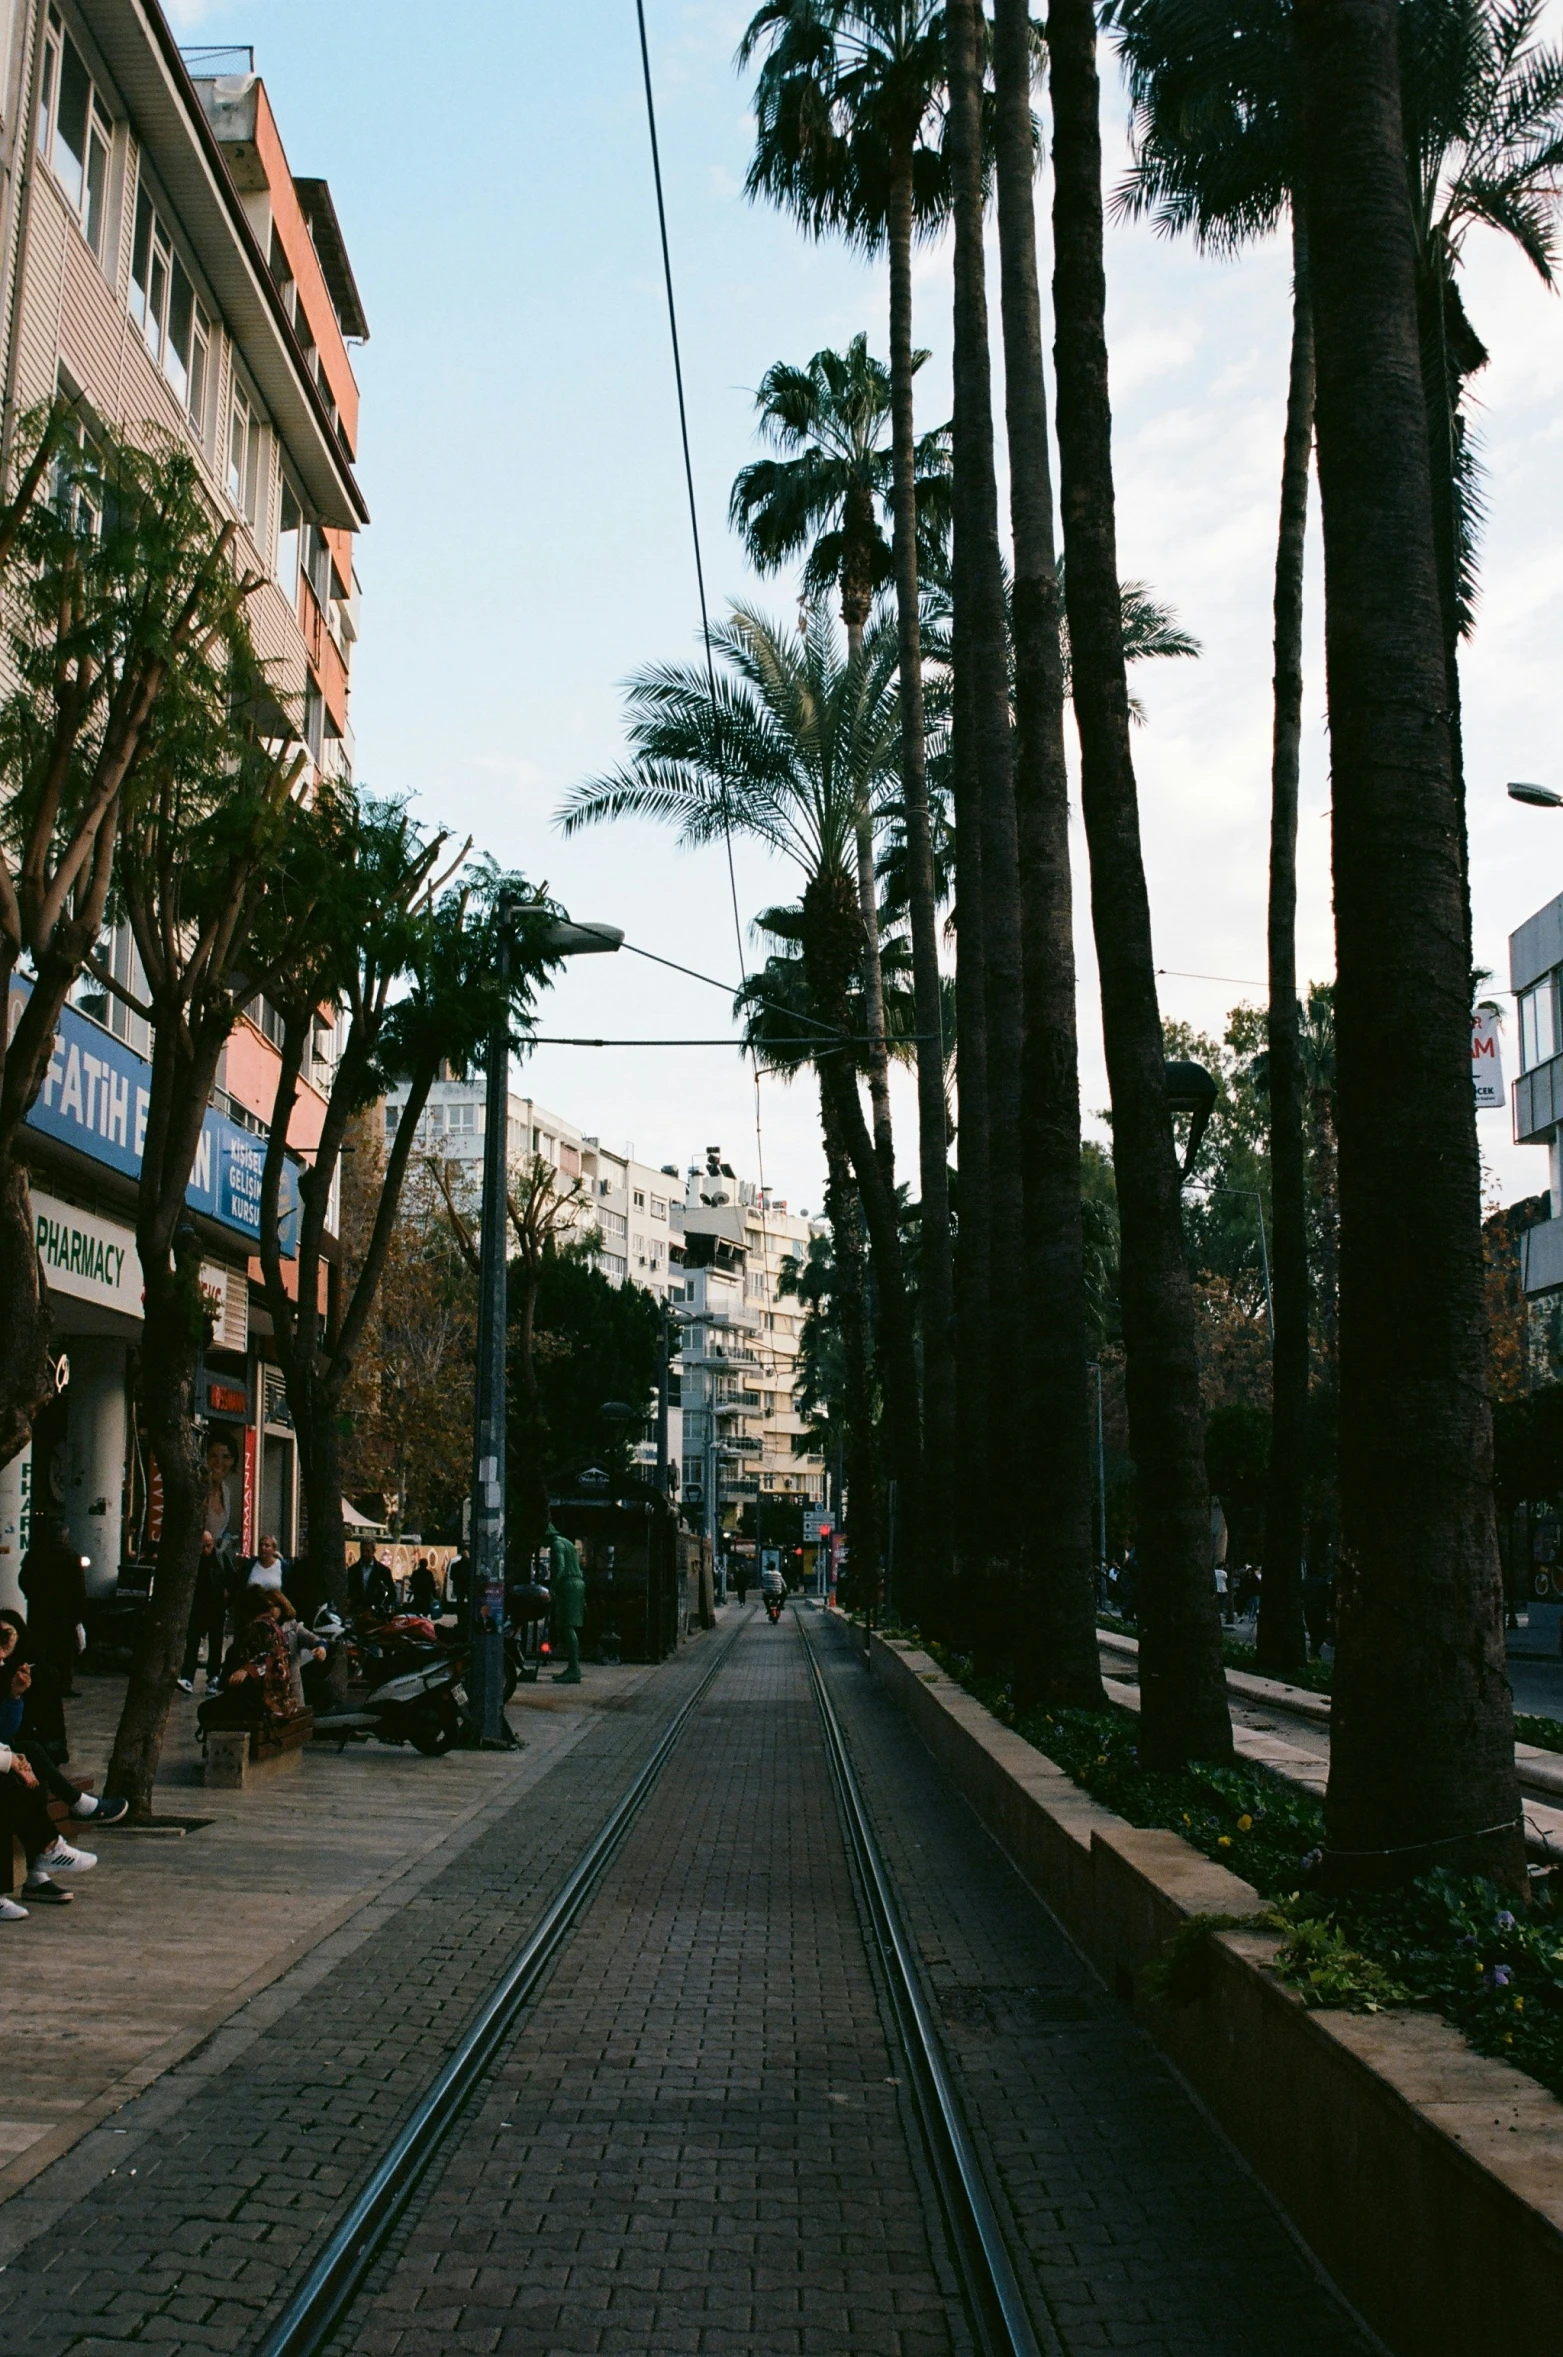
370,1586
55,1587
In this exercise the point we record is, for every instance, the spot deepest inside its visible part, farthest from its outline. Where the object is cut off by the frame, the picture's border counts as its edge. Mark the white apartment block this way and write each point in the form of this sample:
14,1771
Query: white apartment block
741,1337
712,1247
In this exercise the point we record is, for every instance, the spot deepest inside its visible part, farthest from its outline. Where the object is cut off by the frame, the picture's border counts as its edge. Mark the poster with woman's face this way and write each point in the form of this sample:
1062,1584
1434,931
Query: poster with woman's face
222,1482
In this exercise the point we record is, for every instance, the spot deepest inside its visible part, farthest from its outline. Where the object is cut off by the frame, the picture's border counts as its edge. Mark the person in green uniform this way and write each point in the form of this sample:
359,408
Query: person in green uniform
568,1583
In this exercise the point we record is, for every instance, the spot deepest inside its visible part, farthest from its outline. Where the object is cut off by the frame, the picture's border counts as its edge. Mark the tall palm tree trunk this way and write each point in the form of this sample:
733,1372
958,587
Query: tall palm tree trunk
936,1295
831,950
1182,1682
1058,1661
854,613
841,1208
981,651
1422,1748
1282,1642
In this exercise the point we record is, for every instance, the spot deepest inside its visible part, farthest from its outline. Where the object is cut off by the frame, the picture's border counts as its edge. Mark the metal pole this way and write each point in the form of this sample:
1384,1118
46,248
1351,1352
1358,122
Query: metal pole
1264,1253
486,1607
1101,1480
662,1404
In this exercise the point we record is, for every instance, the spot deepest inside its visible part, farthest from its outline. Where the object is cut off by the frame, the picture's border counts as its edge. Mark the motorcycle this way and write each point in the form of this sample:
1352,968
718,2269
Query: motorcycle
415,1696
773,1608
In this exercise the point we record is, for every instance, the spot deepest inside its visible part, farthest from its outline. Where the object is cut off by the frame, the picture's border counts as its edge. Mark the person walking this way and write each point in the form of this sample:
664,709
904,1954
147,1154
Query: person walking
567,1584
422,1595
371,1589
208,1618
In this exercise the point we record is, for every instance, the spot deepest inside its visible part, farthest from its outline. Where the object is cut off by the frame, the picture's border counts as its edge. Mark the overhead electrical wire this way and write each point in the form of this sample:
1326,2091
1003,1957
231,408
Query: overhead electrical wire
700,577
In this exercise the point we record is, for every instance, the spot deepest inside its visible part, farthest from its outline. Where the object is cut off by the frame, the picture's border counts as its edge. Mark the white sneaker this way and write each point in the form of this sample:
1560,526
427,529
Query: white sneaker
185,1685
60,1858
10,1912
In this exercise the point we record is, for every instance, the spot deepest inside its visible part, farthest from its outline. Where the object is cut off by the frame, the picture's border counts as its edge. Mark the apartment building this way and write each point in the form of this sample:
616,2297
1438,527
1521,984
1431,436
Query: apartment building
160,263
741,1341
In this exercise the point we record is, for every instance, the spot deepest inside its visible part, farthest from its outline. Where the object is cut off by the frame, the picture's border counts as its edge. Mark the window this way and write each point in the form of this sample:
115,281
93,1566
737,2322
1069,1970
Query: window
317,564
314,723
393,1114
244,449
74,133
640,1199
290,537
1538,1025
164,305
462,1120
659,1209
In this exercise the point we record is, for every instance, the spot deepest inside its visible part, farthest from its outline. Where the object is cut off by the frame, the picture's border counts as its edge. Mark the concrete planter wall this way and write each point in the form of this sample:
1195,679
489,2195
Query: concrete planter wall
1427,2180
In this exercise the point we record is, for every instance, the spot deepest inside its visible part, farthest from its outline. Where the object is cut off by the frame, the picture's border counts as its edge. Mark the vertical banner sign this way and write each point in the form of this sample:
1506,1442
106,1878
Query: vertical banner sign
1487,1059
248,1540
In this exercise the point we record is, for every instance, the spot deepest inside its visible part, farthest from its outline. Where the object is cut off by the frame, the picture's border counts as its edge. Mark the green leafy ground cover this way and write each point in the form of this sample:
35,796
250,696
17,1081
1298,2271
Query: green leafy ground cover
1453,1944
1546,1734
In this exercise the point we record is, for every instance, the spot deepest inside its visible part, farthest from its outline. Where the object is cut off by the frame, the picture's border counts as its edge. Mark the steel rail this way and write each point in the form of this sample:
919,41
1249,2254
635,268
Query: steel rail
1004,2328
337,2275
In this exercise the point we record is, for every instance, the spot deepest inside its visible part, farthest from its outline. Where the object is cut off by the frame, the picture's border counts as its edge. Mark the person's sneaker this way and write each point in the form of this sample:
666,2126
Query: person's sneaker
102,1808
185,1685
10,1911
42,1891
64,1859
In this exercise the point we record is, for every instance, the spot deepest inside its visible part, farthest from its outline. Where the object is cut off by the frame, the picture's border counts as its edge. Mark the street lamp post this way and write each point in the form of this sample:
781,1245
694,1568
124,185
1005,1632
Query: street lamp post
486,1600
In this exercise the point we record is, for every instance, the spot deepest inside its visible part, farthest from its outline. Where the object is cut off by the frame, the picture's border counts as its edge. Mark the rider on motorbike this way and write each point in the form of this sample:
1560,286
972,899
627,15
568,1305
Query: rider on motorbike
773,1591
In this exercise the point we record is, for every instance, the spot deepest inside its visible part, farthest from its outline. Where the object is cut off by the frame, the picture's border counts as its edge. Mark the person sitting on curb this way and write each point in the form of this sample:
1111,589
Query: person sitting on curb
255,1675
301,1645
567,1583
24,1816
16,1677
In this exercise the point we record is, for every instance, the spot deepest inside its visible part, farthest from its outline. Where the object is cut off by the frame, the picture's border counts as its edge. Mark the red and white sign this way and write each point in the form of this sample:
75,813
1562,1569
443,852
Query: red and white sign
1487,1059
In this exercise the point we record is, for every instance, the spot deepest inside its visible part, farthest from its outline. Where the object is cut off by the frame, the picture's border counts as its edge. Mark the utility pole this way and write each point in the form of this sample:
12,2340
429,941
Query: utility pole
485,1630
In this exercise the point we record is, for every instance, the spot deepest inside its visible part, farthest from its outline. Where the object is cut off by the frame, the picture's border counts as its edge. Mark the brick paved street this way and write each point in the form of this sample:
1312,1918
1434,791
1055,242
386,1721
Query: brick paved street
696,2140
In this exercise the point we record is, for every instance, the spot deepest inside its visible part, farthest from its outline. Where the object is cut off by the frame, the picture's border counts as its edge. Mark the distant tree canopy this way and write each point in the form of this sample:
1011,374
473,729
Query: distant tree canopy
594,1343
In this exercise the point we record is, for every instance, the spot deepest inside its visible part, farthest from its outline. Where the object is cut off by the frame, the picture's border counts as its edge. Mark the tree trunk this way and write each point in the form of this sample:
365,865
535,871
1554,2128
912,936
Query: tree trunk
936,1299
856,604
1057,1661
170,1342
831,948
841,1209
1422,1750
26,1375
1282,1641
982,649
1182,1681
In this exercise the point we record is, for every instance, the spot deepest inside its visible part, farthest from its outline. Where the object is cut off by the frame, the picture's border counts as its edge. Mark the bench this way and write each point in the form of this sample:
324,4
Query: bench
236,1754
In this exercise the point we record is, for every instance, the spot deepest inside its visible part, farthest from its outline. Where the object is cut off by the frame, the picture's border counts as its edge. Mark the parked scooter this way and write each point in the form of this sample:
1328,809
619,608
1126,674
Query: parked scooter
415,1696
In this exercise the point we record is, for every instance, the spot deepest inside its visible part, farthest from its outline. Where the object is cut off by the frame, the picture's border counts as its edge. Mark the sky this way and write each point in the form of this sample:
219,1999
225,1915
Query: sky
530,547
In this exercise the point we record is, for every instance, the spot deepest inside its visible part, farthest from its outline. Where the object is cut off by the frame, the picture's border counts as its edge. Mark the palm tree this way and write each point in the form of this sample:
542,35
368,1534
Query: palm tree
1221,165
821,499
848,110
786,750
1422,1748
1059,1660
990,1323
1183,1687
1216,150
777,1010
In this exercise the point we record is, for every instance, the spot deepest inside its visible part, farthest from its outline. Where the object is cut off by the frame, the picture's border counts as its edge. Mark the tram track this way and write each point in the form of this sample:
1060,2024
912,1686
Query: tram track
994,2301
968,2220
339,2272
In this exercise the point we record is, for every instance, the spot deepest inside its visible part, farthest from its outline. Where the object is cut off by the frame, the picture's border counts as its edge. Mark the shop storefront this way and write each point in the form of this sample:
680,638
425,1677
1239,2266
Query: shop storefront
87,1464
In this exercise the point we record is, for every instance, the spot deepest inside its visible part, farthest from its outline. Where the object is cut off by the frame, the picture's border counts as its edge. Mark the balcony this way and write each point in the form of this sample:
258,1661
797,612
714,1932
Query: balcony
1538,1102
1541,1253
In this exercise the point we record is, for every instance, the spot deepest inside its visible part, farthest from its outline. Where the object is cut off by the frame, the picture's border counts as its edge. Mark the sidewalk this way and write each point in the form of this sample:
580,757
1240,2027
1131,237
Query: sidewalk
169,1934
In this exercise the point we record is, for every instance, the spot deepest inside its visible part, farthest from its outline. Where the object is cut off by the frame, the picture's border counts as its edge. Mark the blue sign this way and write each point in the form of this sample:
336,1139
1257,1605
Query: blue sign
95,1097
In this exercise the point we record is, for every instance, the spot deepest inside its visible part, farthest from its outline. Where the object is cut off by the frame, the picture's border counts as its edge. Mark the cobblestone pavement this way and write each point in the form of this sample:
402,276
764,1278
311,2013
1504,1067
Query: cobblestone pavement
1131,2217
696,2140
184,2218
